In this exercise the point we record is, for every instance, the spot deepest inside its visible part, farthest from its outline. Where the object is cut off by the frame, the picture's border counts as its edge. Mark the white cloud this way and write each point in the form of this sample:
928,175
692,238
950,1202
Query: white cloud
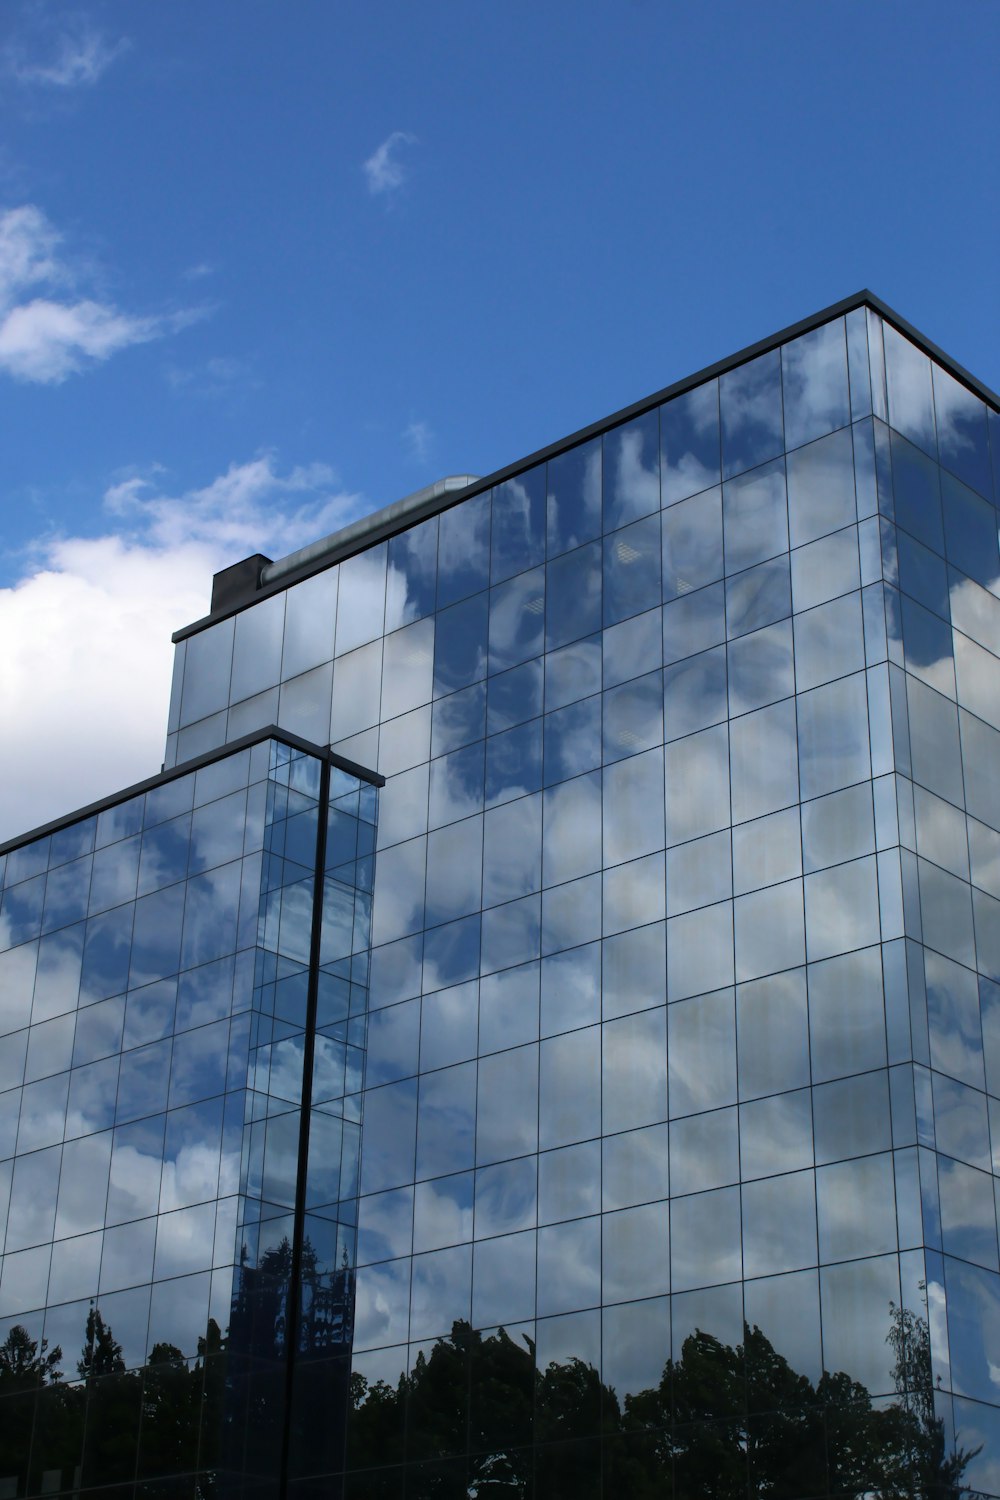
383,169
77,57
85,673
419,437
42,339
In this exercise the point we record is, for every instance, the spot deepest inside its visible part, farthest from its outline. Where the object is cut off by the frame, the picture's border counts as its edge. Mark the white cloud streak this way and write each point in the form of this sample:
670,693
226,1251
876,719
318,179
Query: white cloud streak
79,57
383,169
47,332
85,672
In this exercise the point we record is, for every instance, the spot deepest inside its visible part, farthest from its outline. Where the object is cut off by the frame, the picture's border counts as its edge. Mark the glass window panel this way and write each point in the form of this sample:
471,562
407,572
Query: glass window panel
766,851
635,1253
448,1025
517,619
514,697
694,693
941,832
689,434
21,910
50,1048
910,390
842,909
442,1212
411,575
631,470
454,870
632,807
573,596
978,673
779,1224
460,718
514,763
764,761
760,668
829,642
946,913
833,736
701,1053
963,444
632,570
786,1309
755,516
569,1182
257,648
569,1088
776,1134
927,643
507,1122
856,1209
66,894
960,1122
571,914
923,574
456,786
821,488
838,827
357,681
851,1116
634,1077
968,1213
382,1304
938,754
207,667
503,1283
814,383
750,402
506,1196
460,645
33,1194
634,894
572,740
569,1266
115,873
571,988
390,1134
823,569
407,668
769,930
441,1291
574,497
136,1159
846,1015
633,717
634,971
970,528
310,614
573,672
385,1225
508,1008
916,488
635,1167
403,807
696,773
699,873
464,550
705,1246
511,934
856,1303
693,622
361,605
692,544
446,1121
758,597
518,531
632,648
17,981
773,1034
704,1152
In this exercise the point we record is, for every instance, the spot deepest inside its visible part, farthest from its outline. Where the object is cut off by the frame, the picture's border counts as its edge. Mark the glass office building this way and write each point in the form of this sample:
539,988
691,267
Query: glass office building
539,1036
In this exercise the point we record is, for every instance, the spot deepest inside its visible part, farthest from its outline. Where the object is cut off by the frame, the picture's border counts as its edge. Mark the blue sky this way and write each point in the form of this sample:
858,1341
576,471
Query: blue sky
264,267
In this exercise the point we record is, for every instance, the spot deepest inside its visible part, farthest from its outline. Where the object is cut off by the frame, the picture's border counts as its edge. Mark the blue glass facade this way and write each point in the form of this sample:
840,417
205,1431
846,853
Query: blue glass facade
654,1116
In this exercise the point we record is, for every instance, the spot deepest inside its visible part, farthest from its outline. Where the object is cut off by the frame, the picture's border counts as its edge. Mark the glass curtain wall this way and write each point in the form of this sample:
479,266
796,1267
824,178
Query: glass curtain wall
681,1097
162,1036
